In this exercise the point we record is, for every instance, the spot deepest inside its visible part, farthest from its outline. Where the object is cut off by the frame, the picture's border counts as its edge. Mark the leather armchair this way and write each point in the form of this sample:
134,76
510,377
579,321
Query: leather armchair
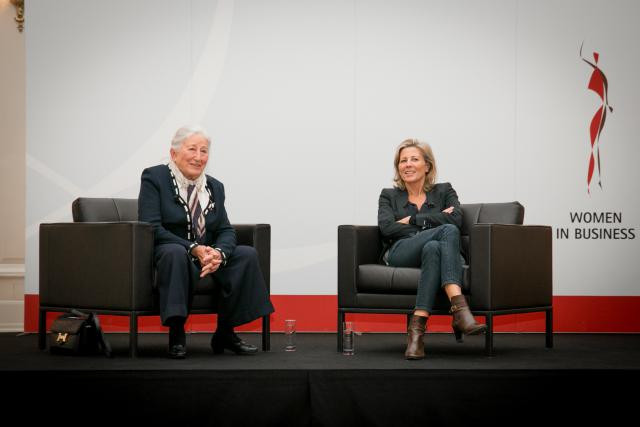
103,262
507,270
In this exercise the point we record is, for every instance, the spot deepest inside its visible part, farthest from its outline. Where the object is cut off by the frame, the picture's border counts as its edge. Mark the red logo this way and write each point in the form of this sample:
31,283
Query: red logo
597,83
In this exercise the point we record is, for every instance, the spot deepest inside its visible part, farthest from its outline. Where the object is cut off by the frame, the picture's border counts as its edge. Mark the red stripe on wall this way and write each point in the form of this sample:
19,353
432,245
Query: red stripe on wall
318,313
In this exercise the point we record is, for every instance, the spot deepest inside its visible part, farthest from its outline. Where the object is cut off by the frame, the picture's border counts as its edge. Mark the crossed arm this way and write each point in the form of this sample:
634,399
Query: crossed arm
406,219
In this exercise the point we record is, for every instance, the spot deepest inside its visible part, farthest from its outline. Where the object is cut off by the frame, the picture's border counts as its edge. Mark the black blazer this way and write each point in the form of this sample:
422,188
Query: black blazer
393,204
159,203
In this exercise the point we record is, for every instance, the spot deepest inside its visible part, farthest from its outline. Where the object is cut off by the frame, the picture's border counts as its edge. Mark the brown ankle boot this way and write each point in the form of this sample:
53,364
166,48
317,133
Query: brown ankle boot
415,332
463,321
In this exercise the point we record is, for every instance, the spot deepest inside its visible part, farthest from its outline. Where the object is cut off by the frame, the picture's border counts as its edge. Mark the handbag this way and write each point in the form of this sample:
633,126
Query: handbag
78,334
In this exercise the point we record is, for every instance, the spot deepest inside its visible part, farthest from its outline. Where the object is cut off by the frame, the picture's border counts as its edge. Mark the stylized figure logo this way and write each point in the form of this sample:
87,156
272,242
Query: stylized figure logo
597,83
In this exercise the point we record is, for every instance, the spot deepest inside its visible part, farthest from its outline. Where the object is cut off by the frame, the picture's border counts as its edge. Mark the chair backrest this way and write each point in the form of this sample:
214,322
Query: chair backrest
488,213
90,209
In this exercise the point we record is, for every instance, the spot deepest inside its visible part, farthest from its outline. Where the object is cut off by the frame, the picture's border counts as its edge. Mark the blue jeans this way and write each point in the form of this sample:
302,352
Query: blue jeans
437,252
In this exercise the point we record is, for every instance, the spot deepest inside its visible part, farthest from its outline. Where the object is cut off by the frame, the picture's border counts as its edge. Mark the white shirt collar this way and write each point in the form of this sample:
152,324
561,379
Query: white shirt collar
183,182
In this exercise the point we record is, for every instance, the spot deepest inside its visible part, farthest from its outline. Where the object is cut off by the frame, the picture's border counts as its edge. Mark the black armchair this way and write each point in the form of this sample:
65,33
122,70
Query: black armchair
103,262
508,270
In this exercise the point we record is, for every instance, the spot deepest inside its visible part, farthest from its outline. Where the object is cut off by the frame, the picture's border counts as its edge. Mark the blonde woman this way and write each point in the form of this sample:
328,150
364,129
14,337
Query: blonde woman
420,221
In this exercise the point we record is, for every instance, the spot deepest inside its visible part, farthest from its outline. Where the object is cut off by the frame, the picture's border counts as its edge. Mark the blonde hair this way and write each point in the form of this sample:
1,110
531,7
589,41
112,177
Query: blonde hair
427,154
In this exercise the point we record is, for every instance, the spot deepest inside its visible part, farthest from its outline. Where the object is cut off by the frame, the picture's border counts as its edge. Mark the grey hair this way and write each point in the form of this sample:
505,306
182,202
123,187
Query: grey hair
187,131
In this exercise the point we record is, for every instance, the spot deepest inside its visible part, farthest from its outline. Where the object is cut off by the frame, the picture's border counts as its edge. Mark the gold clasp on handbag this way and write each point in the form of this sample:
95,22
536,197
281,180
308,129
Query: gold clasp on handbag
62,338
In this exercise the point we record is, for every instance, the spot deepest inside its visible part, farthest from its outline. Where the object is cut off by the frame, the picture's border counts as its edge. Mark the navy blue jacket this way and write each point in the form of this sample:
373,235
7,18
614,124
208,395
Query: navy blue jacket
159,205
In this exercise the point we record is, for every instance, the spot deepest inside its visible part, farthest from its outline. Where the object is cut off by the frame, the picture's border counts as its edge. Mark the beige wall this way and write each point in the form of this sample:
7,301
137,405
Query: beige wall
12,170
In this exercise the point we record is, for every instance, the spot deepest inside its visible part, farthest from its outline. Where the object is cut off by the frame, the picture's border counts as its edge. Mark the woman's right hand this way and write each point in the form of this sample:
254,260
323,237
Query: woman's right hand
404,220
203,253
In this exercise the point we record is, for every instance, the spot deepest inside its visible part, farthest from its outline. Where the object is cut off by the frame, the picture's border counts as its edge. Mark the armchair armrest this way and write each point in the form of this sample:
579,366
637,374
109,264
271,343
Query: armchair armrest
107,265
511,266
258,236
357,244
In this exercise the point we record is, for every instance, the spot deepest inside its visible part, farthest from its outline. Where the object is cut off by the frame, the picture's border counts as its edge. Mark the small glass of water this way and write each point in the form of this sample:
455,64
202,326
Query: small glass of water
347,339
290,335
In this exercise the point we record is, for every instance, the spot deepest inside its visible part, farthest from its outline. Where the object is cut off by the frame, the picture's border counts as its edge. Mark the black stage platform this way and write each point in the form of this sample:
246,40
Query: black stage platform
583,379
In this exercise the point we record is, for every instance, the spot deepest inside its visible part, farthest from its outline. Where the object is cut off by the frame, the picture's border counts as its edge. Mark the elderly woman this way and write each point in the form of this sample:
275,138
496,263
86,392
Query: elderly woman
195,241
420,221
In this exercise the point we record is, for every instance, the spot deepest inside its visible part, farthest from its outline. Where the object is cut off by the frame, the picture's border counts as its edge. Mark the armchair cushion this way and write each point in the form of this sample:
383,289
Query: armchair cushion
382,279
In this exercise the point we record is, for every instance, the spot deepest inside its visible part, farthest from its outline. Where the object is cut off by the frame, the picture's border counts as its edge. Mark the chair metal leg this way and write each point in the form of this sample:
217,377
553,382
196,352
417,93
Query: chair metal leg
488,338
42,329
549,328
266,333
133,335
340,329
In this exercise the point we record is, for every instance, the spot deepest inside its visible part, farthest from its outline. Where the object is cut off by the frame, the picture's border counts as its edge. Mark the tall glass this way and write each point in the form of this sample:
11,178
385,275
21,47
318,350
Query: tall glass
347,339
290,335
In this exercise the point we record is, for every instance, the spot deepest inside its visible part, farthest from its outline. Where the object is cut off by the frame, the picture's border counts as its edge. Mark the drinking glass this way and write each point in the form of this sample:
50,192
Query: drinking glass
290,335
347,339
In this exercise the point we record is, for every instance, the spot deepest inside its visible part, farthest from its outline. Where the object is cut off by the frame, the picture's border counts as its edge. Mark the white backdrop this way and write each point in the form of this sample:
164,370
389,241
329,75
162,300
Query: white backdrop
307,99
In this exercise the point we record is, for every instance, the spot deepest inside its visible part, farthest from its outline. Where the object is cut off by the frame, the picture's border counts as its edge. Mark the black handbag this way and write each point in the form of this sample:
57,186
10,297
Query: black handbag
78,334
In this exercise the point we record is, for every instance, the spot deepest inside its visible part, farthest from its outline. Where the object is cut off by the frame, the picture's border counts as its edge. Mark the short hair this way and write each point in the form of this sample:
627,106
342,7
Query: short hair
187,131
427,154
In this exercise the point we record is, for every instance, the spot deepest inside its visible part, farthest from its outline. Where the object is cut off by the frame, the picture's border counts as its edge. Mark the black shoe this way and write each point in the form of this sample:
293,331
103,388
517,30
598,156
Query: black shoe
177,351
231,342
177,338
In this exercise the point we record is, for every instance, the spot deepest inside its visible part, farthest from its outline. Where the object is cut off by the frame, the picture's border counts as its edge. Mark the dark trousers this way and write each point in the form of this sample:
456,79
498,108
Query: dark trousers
437,252
241,294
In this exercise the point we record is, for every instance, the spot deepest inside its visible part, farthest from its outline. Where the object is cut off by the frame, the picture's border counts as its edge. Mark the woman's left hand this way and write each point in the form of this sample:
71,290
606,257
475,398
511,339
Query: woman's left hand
210,267
449,210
